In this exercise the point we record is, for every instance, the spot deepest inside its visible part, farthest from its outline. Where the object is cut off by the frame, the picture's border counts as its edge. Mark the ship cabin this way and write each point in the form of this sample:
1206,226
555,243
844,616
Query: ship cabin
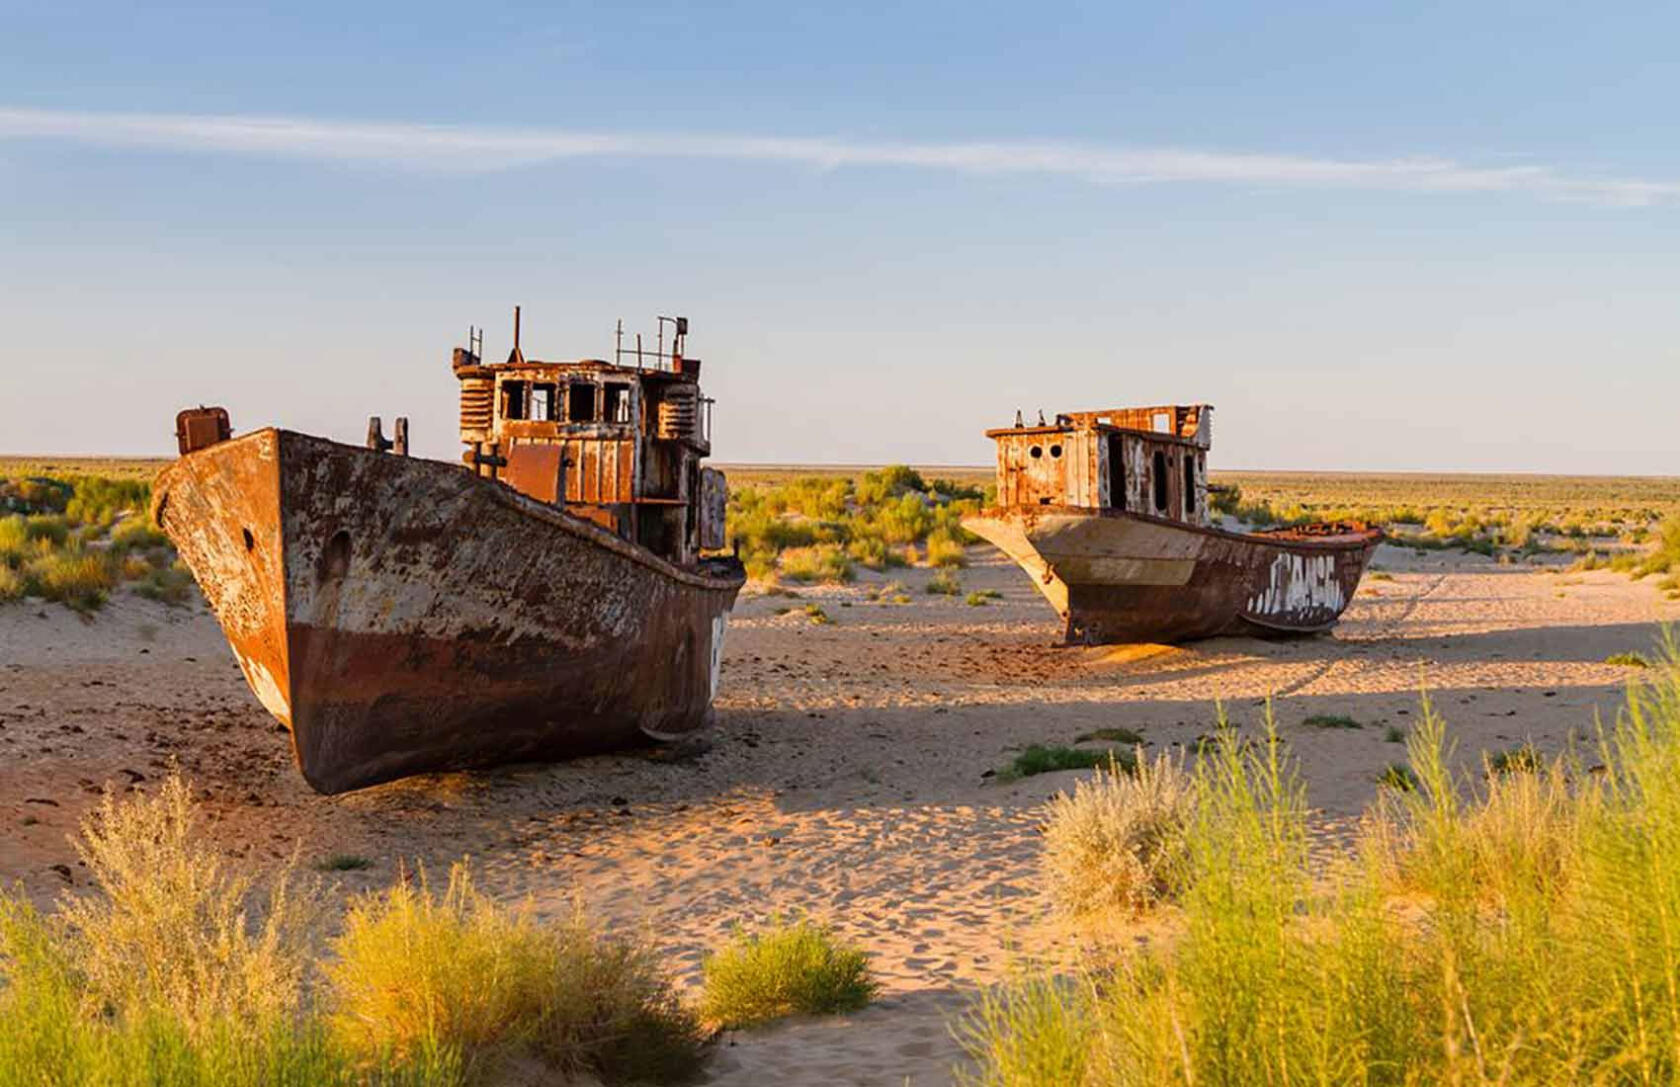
1150,461
618,443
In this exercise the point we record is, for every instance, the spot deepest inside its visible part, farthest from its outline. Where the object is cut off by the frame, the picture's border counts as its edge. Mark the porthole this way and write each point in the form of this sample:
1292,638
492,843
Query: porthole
1055,451
1035,452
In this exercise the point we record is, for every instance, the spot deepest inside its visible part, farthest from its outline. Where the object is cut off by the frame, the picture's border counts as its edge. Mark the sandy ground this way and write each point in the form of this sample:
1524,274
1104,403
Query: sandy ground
848,775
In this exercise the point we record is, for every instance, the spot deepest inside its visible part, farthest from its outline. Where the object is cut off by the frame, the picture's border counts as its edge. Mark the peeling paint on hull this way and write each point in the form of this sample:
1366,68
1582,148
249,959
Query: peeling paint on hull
1123,577
401,615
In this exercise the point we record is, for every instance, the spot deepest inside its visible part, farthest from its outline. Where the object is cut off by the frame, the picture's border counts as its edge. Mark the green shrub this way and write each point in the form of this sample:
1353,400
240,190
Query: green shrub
1331,720
874,554
77,579
1049,758
15,543
12,585
1034,1031
172,584
785,967
1513,929
945,583
416,972
134,534
1119,735
1399,777
944,551
1521,759
825,562
176,971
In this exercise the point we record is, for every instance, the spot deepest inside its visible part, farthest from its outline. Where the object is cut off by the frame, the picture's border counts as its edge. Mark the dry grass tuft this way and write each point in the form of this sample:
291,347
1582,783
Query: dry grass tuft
1117,841
418,972
175,927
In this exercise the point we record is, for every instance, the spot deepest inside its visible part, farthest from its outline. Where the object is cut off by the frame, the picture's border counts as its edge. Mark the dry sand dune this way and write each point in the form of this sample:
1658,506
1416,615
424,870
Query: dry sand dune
847,777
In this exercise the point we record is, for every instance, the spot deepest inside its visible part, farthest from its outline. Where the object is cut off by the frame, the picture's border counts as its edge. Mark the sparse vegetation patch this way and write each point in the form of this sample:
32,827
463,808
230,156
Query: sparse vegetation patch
784,967
1049,758
1510,929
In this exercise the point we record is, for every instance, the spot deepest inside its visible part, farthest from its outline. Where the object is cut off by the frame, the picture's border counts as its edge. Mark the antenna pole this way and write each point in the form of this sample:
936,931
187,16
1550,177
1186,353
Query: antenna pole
516,328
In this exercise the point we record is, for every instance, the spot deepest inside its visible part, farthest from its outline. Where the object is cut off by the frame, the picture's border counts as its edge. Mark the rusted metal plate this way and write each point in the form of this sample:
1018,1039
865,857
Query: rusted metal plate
403,615
536,470
200,428
714,509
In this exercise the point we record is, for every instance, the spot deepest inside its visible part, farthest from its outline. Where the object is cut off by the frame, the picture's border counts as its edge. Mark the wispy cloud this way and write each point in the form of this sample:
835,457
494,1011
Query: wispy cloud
464,148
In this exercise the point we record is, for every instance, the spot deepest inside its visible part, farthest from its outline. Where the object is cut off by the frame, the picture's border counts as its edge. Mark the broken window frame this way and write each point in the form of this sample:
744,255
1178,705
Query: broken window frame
579,394
542,400
615,402
513,400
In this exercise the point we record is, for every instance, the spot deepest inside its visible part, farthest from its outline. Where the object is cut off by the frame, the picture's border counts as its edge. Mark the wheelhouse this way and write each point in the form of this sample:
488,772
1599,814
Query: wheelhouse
1149,460
619,443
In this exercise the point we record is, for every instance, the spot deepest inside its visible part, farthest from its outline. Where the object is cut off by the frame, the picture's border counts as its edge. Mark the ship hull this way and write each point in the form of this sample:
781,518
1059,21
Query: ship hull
1116,577
400,615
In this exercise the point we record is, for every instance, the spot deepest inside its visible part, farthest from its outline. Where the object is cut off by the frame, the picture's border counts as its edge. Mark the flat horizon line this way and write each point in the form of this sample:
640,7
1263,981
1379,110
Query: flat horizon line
841,466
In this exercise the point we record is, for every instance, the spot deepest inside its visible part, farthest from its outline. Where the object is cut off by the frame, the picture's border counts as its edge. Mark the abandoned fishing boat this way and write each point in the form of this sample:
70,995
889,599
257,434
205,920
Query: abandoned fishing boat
1108,513
551,597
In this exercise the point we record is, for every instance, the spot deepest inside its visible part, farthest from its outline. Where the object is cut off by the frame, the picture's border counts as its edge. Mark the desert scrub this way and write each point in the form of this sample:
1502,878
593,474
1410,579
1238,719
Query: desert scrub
944,583
174,970
178,970
824,562
80,580
1514,929
981,597
171,583
1522,759
1049,758
785,967
1399,777
1117,841
11,584
175,926
943,550
1331,720
1119,734
417,972
1628,660
877,519
64,548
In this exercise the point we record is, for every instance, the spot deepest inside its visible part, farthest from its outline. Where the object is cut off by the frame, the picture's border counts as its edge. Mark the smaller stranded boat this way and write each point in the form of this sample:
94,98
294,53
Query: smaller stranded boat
1108,513
549,598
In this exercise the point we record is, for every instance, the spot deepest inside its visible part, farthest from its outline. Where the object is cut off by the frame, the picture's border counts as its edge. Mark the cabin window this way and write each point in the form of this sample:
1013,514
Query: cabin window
1055,451
1117,471
542,403
616,406
1162,422
1190,486
1159,478
513,400
1035,452
580,402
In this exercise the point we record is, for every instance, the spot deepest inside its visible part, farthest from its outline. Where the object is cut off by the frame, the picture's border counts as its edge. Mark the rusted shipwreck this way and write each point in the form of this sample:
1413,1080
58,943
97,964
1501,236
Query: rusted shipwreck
1108,513
554,596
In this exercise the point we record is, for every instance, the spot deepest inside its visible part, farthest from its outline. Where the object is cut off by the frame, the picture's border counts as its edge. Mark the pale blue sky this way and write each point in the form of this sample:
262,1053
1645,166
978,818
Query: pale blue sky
1420,237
